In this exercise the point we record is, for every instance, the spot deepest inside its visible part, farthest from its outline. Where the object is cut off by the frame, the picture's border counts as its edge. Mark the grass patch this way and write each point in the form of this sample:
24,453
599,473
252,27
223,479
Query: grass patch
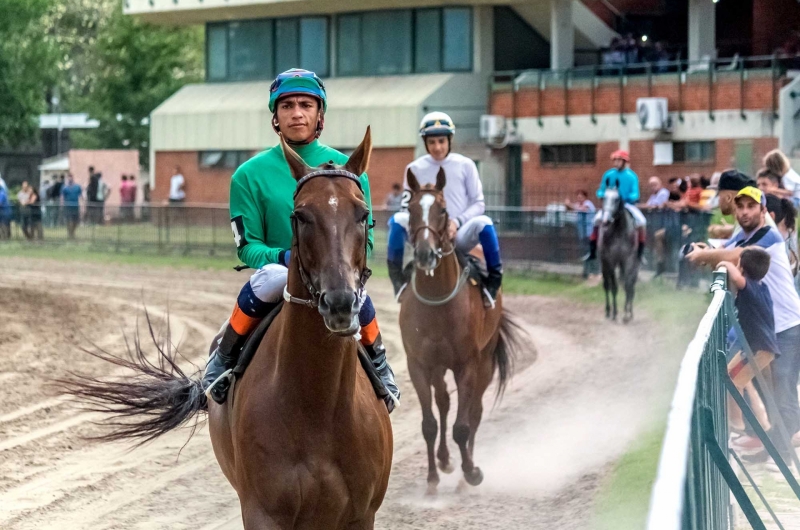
624,501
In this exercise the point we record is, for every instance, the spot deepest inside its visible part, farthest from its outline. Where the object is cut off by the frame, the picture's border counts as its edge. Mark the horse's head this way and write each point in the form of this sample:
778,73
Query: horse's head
612,203
330,224
427,221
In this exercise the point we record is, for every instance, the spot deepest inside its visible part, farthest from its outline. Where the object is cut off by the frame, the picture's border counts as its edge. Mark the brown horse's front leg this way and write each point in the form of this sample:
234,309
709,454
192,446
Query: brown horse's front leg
462,432
443,402
422,384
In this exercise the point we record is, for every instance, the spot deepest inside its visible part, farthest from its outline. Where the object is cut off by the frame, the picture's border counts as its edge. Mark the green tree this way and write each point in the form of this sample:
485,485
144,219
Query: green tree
27,68
118,69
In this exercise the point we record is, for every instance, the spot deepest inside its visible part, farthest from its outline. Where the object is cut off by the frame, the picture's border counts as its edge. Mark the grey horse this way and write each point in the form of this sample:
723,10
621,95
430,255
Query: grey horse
618,246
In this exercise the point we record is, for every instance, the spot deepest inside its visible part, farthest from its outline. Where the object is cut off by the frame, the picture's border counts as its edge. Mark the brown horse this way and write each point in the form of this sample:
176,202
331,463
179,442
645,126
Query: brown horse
445,326
303,439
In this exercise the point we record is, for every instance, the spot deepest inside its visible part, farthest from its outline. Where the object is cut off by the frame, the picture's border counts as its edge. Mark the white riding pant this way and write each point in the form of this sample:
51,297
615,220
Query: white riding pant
638,217
268,282
468,234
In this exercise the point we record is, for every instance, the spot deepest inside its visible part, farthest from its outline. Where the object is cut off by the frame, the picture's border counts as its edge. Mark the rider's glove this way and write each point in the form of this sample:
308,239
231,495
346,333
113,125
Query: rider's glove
284,256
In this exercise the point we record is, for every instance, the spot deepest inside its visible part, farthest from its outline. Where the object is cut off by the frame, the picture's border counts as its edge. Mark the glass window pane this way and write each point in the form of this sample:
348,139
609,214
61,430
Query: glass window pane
286,46
251,50
349,45
457,39
428,41
314,45
217,50
387,42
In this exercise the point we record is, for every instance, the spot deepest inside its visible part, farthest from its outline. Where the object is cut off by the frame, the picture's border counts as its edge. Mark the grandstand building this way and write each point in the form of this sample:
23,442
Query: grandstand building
560,84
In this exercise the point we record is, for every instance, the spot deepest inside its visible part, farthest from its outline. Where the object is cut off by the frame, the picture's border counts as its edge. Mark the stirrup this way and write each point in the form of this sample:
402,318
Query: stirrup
399,292
488,299
227,374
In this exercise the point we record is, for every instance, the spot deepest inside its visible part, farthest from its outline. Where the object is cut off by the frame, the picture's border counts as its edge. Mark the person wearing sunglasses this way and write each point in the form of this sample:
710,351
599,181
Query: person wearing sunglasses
465,204
261,205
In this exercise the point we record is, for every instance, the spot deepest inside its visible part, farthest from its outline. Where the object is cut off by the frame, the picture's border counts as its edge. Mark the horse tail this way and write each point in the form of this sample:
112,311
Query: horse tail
509,346
153,400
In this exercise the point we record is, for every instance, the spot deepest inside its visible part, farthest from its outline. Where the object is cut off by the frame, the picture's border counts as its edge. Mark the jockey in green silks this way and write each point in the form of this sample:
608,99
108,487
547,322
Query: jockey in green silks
261,203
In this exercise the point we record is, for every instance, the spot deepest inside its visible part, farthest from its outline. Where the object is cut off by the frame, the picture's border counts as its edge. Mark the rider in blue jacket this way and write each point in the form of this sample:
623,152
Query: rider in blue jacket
627,184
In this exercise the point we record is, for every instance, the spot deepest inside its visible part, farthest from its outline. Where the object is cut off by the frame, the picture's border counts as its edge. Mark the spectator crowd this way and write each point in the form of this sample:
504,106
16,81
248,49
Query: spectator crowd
63,202
759,250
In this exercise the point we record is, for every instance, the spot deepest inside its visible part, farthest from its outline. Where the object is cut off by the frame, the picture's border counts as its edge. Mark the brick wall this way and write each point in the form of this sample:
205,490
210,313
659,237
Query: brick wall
209,186
212,186
693,96
541,185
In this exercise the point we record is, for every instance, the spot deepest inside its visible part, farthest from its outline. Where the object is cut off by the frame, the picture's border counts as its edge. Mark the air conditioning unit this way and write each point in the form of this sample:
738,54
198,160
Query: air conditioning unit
493,127
653,114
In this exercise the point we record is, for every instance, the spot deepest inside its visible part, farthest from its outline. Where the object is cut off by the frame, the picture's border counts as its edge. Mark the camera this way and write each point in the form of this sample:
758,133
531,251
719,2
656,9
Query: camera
688,247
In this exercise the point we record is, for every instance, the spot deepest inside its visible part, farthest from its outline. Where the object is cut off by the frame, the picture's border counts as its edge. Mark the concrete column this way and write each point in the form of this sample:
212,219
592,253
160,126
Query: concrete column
483,41
702,30
562,35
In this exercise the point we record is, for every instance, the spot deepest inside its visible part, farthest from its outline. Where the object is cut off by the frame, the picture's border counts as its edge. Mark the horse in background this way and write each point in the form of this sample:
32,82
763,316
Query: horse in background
618,246
445,326
303,439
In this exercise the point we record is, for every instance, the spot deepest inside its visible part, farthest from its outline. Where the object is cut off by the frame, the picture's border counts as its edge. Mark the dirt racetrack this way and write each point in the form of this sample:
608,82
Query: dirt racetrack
543,449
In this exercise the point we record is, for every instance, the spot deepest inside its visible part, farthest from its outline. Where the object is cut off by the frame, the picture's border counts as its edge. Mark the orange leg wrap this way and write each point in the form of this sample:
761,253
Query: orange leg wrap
369,333
242,323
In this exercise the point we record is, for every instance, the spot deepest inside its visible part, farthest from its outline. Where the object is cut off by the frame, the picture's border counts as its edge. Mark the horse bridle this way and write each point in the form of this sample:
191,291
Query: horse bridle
439,253
366,272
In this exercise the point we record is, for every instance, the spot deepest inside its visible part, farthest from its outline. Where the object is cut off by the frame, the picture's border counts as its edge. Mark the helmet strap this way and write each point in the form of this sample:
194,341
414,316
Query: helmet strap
320,125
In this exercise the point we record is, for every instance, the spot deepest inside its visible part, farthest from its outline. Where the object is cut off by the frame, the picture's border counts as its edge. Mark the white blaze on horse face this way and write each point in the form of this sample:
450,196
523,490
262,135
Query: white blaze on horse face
333,202
426,201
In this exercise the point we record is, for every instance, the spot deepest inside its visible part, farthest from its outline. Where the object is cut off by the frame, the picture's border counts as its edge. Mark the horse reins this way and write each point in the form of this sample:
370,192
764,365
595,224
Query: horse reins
366,272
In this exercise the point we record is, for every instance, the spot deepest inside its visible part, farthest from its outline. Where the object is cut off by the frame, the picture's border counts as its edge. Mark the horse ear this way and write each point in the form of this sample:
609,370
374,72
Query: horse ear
441,180
297,166
411,180
359,160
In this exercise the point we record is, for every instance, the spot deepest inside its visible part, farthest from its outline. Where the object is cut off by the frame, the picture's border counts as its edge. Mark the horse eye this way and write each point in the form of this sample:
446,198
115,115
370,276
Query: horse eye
300,217
364,218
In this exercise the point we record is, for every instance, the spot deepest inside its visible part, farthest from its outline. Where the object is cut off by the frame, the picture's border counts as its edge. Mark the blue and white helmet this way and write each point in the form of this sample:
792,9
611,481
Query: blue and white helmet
437,124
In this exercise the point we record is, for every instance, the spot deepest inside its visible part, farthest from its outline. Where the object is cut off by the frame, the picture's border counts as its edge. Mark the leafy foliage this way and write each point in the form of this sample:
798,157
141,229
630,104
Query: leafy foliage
27,68
119,69
97,60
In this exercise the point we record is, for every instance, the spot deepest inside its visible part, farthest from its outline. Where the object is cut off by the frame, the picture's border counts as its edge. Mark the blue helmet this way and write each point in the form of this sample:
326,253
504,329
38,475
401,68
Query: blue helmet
297,81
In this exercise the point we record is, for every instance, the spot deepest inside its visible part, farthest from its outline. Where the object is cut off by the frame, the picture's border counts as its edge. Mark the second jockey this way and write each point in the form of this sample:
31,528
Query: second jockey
465,205
627,183
261,205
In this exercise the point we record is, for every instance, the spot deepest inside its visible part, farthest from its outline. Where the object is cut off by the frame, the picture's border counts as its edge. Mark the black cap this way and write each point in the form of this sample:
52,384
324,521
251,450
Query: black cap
735,181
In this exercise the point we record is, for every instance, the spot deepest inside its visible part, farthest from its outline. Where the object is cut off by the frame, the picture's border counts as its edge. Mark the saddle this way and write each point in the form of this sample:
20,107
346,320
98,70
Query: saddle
254,341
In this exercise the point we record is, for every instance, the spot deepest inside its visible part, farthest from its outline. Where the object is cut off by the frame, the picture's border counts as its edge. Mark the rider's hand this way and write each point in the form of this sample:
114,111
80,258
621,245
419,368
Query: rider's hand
284,257
452,228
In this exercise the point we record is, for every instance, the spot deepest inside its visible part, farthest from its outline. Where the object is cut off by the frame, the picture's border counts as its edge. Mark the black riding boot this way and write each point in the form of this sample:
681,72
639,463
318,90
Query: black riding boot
377,354
493,282
222,359
592,255
641,250
396,275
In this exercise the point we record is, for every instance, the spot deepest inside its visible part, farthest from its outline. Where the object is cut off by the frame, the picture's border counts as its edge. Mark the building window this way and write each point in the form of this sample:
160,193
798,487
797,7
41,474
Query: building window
222,159
260,49
569,154
694,152
217,51
381,42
